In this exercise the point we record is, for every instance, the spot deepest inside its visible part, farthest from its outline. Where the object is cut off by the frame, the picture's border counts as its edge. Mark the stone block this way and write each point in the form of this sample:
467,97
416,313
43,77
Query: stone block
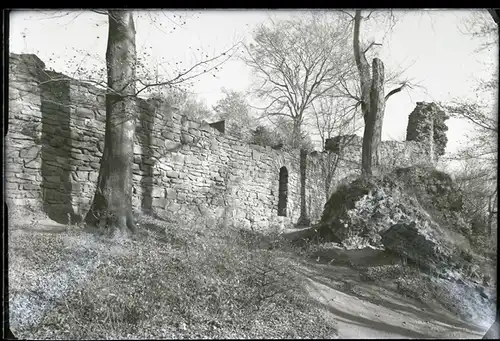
148,161
157,192
178,158
83,112
159,202
93,176
255,155
29,152
33,164
30,177
11,185
187,139
172,174
170,145
173,207
181,196
168,135
82,157
82,175
137,149
14,167
171,193
76,187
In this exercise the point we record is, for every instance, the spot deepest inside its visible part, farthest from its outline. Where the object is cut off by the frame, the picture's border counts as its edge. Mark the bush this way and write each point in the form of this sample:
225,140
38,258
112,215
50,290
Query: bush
265,137
484,245
414,285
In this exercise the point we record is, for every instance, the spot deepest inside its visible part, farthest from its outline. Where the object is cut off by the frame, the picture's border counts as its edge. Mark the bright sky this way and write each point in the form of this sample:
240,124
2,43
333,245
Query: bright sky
436,54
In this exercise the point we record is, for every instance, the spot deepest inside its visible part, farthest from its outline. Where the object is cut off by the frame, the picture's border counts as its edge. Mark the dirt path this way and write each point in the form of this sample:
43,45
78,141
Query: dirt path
360,310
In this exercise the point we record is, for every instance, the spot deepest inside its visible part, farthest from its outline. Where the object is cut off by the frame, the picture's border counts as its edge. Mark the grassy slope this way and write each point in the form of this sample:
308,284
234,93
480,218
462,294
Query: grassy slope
171,280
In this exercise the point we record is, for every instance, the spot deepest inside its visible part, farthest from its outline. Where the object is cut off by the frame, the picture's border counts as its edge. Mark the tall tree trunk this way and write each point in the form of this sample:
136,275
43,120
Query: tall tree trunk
377,108
363,67
372,102
296,134
112,203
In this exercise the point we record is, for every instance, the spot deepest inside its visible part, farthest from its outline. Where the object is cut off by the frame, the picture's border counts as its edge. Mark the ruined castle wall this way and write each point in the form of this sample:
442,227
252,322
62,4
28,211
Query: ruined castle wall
22,150
183,164
426,124
56,137
55,142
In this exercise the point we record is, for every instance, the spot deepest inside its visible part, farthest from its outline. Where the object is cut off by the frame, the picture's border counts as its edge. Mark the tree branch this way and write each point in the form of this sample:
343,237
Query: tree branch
370,46
345,12
394,91
179,78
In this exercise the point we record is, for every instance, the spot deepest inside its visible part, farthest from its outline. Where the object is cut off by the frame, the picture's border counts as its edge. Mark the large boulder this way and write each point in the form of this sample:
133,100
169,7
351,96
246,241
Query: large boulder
420,242
413,212
366,207
436,193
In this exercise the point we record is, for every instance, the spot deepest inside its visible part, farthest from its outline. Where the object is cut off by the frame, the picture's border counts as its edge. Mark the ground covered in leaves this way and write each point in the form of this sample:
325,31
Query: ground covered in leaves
170,280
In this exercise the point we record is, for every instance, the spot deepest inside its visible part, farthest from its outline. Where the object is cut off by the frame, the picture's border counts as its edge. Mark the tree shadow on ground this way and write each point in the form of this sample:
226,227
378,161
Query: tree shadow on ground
326,274
361,321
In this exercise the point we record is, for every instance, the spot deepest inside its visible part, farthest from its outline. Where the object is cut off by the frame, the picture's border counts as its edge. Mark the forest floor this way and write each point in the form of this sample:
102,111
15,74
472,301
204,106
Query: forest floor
172,281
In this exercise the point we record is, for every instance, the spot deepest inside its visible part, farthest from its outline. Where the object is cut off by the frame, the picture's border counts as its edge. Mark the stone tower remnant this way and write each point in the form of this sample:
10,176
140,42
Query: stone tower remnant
426,124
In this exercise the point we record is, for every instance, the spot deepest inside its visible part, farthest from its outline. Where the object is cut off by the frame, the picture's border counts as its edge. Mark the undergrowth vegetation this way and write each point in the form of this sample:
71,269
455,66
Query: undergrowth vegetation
172,279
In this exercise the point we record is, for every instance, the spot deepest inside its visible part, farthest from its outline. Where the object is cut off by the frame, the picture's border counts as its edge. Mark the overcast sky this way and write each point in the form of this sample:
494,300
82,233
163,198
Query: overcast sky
437,55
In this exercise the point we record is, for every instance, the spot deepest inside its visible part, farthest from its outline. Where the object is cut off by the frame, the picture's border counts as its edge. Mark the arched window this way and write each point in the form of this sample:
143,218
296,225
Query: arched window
283,192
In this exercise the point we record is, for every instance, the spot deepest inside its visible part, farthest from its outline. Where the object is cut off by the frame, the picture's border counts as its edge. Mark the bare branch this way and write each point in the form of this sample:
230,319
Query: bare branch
395,91
369,15
362,64
181,77
369,47
347,13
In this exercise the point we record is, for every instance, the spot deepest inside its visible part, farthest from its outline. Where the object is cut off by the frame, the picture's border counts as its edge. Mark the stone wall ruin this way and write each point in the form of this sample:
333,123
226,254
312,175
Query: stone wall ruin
55,142
426,124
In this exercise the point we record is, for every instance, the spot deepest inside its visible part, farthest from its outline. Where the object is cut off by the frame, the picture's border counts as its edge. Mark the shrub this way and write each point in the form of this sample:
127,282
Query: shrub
265,137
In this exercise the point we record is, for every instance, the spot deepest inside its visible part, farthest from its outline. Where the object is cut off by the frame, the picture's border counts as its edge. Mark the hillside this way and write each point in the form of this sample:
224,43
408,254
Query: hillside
182,280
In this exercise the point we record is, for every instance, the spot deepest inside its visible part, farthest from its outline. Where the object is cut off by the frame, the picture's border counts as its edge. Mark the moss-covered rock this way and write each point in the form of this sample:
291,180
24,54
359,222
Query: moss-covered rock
414,212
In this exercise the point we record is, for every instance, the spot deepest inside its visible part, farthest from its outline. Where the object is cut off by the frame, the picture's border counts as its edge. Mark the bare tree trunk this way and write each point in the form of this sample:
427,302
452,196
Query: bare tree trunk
296,134
377,108
365,82
367,151
372,102
112,203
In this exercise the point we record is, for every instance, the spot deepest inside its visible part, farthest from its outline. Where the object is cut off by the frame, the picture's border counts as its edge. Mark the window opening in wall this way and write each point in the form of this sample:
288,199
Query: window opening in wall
283,192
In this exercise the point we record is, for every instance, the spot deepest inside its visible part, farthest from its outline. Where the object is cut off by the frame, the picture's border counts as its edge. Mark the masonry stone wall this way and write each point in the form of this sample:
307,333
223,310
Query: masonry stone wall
426,124
55,141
